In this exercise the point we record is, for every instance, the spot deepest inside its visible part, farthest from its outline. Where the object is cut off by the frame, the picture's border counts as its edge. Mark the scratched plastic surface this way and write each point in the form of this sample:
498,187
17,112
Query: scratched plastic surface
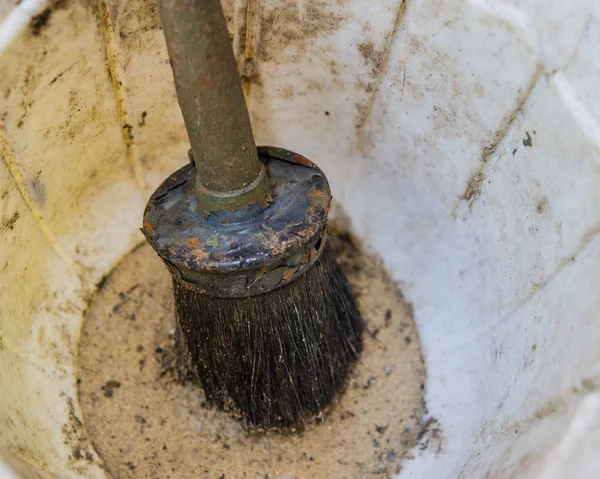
462,143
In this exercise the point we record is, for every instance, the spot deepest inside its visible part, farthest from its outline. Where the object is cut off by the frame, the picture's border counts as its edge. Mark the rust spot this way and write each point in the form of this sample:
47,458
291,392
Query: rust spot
280,248
192,243
306,257
288,274
200,255
302,160
302,233
318,198
147,229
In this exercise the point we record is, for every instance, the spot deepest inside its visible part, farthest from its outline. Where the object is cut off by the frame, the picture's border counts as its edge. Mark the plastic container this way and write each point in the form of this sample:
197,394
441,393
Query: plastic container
462,142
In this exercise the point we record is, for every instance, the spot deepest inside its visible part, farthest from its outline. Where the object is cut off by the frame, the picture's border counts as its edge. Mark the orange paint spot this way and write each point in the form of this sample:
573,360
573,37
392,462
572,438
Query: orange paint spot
288,275
301,160
200,255
192,243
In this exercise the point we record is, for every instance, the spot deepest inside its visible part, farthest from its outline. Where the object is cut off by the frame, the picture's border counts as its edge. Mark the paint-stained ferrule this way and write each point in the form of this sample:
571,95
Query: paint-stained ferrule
226,255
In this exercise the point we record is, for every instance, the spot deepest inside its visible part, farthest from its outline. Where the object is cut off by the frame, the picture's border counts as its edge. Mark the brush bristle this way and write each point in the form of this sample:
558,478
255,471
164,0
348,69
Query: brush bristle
277,358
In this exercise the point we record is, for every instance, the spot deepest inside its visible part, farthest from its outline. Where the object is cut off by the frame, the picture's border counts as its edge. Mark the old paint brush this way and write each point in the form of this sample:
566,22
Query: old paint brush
265,318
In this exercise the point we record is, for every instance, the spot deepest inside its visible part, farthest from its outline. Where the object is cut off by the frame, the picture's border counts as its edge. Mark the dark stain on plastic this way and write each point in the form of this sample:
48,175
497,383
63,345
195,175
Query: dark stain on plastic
137,18
473,189
372,57
282,27
9,223
542,205
76,438
39,21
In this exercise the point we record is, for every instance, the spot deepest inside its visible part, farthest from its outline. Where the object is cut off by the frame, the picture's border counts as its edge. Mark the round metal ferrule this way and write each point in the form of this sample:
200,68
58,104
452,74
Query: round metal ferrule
223,257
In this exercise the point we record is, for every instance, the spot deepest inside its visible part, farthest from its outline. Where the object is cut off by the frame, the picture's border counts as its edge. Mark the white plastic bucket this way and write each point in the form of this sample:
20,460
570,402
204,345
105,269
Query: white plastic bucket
462,142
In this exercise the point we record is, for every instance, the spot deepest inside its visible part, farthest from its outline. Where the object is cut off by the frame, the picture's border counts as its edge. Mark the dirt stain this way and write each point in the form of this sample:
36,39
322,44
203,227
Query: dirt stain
38,190
76,438
542,205
249,72
9,223
40,21
285,26
372,57
492,146
136,18
473,189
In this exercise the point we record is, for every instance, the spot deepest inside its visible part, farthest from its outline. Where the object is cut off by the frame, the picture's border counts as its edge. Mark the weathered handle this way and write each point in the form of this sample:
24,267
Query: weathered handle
229,174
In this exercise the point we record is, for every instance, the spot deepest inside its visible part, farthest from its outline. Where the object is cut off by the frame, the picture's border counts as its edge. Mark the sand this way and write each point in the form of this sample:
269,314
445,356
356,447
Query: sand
146,423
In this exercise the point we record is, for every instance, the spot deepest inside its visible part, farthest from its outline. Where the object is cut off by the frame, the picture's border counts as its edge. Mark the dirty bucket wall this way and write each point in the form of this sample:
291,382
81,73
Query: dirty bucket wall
69,206
462,144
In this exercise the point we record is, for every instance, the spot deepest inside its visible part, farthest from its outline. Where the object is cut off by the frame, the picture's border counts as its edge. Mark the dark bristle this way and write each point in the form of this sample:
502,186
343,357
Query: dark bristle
280,357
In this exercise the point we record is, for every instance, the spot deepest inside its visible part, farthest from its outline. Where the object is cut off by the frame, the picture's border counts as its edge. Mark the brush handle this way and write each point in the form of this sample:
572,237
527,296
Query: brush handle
229,175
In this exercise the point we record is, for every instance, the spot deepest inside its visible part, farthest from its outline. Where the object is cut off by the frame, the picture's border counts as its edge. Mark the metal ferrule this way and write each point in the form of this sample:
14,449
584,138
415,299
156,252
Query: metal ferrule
242,256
